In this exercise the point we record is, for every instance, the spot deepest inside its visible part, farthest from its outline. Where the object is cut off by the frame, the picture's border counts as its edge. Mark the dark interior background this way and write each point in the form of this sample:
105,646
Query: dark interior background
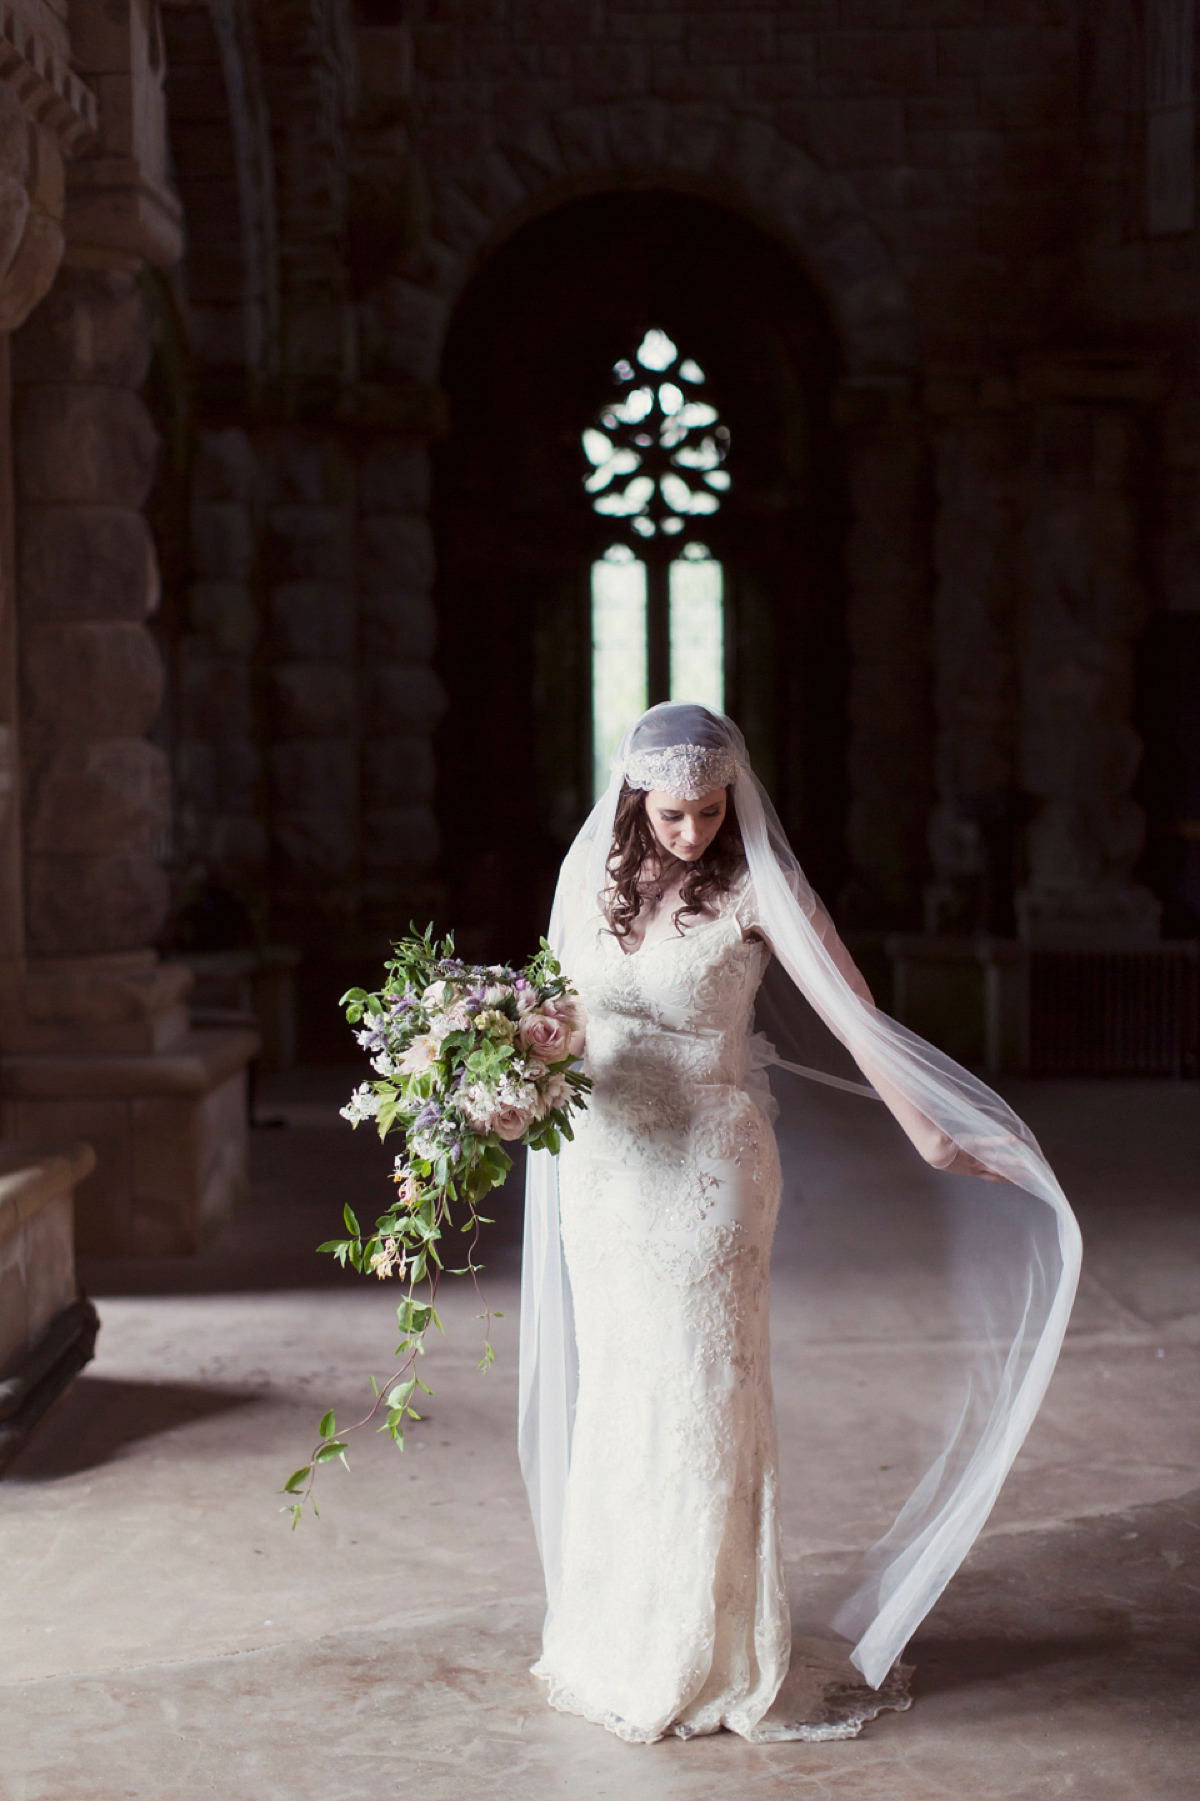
528,363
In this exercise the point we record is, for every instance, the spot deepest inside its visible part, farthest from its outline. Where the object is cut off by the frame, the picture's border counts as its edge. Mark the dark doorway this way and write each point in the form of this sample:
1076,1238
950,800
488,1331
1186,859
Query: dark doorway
529,361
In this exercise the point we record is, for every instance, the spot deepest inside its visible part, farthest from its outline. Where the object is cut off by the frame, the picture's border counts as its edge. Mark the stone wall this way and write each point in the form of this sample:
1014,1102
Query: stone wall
220,827
1084,602
98,804
95,1041
965,191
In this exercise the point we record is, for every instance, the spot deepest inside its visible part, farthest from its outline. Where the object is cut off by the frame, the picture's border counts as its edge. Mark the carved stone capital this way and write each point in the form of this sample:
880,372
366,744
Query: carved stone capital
121,207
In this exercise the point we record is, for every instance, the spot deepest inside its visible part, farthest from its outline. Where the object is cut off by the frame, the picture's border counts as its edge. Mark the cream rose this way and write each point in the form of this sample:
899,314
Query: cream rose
420,1056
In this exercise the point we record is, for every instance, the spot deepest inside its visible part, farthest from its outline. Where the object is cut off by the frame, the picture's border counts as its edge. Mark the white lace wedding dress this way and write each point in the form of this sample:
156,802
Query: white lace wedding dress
673,1612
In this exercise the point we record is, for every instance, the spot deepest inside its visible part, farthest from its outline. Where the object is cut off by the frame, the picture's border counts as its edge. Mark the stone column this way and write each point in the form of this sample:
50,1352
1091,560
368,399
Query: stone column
313,710
888,627
47,1330
98,793
1082,603
976,531
403,699
220,829
97,1042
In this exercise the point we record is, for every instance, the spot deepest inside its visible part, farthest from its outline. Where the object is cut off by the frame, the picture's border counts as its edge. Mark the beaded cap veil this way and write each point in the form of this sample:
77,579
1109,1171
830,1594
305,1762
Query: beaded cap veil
1011,1243
700,761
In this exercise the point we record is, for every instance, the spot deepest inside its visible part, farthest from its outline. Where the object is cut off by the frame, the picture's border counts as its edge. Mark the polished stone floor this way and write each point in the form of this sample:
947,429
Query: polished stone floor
166,1637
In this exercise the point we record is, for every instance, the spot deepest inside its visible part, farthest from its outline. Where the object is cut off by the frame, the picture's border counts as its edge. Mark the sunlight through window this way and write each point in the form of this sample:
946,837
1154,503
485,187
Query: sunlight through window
619,689
655,466
697,598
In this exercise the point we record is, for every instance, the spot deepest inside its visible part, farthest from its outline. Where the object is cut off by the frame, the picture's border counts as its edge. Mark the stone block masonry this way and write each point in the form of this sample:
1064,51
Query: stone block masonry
99,794
94,1030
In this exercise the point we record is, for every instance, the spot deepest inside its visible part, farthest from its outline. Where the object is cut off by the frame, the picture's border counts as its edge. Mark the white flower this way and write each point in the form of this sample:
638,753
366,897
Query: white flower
434,995
421,1053
454,1019
388,1257
507,1109
496,993
361,1105
421,1145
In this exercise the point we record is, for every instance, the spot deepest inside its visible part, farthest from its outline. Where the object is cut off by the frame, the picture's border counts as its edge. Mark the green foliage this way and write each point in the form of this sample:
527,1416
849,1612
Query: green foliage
451,1048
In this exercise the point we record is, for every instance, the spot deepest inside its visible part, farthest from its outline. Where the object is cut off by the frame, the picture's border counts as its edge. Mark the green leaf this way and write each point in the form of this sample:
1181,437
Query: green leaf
352,1224
297,1480
328,1452
327,1428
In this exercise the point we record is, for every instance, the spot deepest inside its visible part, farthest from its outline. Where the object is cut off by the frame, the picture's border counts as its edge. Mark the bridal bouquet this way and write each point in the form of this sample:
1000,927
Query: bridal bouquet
468,1059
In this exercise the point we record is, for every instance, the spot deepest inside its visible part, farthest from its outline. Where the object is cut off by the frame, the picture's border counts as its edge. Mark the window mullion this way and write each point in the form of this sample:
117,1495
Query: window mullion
658,628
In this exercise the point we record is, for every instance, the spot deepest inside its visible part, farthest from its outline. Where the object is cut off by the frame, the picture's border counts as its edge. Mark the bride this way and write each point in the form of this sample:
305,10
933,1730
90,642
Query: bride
648,1430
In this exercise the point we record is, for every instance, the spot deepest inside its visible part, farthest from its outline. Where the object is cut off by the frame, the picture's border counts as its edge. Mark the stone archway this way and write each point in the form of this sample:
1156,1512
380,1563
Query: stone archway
529,358
743,163
748,167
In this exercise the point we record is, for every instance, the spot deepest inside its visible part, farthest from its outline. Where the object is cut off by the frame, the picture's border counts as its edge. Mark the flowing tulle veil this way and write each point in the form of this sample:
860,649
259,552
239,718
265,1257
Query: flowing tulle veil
1017,1254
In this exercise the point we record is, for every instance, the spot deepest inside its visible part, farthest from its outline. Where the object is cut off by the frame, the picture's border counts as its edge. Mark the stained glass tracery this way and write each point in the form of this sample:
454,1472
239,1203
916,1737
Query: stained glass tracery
657,449
656,453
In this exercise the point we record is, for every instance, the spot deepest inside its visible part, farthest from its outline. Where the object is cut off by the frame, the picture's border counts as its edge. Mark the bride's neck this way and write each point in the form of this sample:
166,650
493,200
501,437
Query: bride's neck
661,875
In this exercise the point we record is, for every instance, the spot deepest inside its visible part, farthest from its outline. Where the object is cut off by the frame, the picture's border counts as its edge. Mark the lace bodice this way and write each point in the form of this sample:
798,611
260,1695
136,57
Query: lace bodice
670,1017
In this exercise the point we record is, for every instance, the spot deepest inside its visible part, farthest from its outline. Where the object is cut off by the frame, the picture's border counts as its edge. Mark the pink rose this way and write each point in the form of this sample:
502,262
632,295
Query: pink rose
568,1009
509,1122
544,1035
553,1091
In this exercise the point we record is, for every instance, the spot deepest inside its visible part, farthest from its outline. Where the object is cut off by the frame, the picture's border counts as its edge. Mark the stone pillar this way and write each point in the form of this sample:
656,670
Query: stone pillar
403,699
888,626
96,1040
973,825
313,703
98,793
47,1330
220,830
1082,603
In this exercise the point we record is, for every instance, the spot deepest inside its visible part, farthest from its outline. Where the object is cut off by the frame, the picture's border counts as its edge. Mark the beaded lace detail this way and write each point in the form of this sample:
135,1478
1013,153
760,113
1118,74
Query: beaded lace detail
673,1615
685,771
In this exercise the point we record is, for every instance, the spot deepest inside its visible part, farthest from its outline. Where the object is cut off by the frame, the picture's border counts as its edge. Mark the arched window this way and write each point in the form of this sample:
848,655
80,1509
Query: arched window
656,452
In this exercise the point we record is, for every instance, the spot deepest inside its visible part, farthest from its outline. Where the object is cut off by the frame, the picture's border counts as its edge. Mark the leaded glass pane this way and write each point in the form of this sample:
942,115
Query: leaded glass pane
697,598
619,674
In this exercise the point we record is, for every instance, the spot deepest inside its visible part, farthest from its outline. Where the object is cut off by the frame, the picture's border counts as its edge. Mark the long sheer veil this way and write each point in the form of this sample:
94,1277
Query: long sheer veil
1016,1249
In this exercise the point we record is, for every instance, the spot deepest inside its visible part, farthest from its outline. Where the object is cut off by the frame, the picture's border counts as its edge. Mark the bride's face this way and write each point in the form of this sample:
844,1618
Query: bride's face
685,828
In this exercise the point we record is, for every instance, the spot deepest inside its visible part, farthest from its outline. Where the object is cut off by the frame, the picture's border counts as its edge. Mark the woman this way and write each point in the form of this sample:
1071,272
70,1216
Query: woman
648,1436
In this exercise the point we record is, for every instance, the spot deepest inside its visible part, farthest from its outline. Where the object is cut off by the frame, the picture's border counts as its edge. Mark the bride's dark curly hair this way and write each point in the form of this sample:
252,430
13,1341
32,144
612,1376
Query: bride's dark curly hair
636,850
